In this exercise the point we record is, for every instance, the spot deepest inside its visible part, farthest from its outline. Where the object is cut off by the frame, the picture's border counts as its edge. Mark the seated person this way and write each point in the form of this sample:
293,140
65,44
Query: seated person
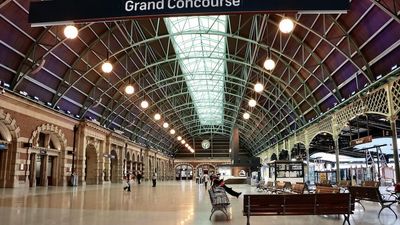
220,183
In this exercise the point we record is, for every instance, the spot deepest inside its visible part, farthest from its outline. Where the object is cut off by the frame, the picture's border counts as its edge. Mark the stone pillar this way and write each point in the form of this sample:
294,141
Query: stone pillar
146,159
32,170
43,170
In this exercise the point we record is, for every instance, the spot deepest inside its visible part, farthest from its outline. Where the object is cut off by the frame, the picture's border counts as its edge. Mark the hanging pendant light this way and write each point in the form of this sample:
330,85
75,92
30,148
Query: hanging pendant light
286,25
246,116
144,104
129,89
258,87
157,116
107,67
70,32
252,103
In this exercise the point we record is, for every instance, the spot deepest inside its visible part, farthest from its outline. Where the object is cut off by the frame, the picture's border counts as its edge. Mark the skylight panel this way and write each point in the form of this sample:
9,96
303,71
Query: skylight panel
201,55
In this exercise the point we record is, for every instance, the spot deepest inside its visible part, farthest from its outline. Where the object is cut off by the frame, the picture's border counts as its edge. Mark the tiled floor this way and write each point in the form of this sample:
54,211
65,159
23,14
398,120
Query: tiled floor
170,203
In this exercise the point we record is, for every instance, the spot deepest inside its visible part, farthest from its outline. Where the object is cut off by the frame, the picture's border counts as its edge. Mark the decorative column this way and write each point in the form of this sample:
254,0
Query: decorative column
336,141
395,147
393,118
336,131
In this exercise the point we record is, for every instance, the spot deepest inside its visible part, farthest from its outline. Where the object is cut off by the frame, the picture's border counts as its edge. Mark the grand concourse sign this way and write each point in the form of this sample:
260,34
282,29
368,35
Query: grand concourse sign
55,12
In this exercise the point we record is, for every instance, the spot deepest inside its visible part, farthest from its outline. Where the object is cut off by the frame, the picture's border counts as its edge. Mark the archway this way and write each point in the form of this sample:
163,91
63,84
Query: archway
5,138
91,170
274,157
114,167
184,172
298,152
367,139
205,168
322,159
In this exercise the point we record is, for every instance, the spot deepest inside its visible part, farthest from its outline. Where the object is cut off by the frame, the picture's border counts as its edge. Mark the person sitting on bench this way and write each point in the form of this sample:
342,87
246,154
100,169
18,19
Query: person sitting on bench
216,182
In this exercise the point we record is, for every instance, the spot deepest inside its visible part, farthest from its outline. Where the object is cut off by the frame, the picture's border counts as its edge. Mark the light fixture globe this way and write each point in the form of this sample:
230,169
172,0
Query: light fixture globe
179,138
252,103
187,145
144,104
246,116
269,64
286,25
258,87
165,125
107,67
129,89
172,131
157,116
183,142
70,32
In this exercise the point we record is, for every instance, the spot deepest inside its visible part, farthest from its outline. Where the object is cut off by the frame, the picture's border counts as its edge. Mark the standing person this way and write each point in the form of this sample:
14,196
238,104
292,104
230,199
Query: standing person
206,179
154,179
139,177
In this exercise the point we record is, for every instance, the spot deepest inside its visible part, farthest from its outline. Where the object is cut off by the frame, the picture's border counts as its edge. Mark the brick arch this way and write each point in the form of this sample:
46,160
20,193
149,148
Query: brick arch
206,164
48,128
180,164
8,126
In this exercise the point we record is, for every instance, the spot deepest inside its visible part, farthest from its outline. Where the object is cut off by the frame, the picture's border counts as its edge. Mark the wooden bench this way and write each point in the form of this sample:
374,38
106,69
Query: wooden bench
371,194
219,201
297,204
368,183
324,189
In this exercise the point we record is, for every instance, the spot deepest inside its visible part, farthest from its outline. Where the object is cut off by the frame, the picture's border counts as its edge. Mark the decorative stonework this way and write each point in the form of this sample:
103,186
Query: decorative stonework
10,123
48,128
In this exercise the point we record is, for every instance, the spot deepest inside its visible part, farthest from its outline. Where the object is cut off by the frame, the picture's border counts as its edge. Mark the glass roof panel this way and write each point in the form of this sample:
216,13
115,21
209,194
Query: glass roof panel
202,60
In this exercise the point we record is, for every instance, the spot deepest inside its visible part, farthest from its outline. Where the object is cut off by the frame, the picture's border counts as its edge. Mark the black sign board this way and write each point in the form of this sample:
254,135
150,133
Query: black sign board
55,12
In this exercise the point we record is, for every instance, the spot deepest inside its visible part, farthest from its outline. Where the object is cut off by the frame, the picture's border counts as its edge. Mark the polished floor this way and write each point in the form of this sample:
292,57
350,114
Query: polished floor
170,203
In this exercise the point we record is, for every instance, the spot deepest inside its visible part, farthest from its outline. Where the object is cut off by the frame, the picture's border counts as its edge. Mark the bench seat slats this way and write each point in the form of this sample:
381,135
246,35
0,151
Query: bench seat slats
297,204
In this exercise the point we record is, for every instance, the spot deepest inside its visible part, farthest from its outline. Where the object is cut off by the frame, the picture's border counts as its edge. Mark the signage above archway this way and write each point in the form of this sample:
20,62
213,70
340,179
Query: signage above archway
56,12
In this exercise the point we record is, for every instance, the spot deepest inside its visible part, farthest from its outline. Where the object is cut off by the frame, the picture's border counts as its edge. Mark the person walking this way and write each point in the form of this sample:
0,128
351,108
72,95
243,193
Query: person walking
206,179
128,184
154,179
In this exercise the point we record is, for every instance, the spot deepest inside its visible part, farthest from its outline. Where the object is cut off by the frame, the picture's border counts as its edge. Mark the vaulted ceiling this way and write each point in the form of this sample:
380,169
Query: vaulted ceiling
326,59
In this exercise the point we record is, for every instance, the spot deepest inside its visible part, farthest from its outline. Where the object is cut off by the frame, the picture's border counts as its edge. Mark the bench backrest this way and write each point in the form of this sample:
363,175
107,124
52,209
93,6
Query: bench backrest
365,193
324,189
344,183
280,185
297,204
368,183
298,188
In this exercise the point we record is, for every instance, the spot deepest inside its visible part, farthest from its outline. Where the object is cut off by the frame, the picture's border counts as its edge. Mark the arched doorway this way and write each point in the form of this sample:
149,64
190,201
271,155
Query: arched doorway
184,172
205,169
114,167
368,140
47,157
5,138
91,170
322,170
